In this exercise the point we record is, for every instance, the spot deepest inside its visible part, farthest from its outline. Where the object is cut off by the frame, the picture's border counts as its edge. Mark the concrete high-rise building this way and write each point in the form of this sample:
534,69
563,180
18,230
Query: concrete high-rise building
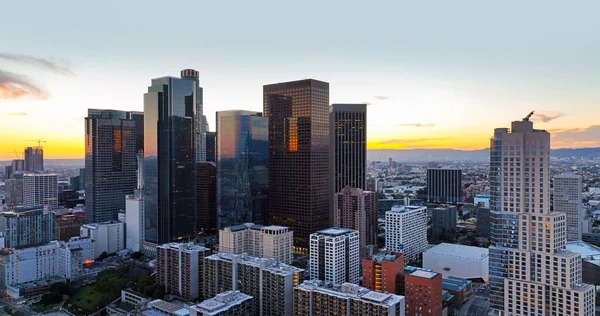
406,230
357,209
423,293
110,163
211,147
26,227
335,255
7,172
33,159
17,165
230,303
299,190
206,198
134,211
13,192
313,298
108,237
40,189
567,198
180,269
531,272
170,145
348,146
200,122
271,283
242,167
380,271
258,241
443,222
444,185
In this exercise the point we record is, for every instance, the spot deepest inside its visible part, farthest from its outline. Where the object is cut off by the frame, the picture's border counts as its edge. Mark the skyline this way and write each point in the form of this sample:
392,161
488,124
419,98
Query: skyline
440,82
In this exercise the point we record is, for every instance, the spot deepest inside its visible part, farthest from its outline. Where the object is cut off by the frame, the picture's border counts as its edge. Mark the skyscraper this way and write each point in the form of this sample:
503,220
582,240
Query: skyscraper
444,185
300,194
110,163
200,122
34,159
242,167
40,189
348,146
567,198
206,198
211,147
170,160
357,209
531,272
17,165
138,117
335,255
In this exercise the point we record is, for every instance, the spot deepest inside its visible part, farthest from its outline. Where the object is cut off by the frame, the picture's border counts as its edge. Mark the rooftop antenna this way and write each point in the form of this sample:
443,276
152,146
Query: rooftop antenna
526,118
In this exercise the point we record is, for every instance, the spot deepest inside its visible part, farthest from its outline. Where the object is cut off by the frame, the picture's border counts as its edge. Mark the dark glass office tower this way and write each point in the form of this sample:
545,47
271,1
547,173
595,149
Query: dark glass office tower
34,159
242,167
110,163
444,185
211,146
138,117
170,160
201,124
206,198
299,191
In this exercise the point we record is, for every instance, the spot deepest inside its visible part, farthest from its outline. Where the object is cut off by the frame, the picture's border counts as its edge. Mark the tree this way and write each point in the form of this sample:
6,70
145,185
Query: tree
51,298
60,287
137,255
8,310
102,256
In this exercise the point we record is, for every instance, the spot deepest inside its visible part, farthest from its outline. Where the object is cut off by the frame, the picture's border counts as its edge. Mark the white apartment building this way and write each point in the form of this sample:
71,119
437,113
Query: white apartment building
134,222
180,269
258,241
107,237
335,255
406,230
40,189
567,198
531,272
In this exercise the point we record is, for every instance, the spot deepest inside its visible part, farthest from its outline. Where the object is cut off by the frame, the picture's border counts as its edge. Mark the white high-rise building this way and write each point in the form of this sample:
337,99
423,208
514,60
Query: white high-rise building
40,189
567,199
335,255
406,230
531,272
258,241
108,237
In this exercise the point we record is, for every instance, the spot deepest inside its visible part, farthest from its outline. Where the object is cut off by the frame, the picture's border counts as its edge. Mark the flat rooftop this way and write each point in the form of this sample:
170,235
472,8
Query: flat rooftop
588,252
335,231
456,250
424,274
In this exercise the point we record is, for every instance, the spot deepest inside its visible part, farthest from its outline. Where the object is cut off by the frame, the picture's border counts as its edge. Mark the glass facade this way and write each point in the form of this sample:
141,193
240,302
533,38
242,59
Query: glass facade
170,160
110,163
242,167
299,191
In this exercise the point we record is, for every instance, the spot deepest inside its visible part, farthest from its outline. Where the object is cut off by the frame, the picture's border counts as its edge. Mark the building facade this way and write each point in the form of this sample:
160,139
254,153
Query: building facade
13,191
33,159
201,124
170,159
108,237
26,227
458,260
444,185
40,189
180,269
211,147
258,241
423,293
567,198
406,230
335,255
299,190
443,222
242,167
67,225
206,198
357,209
531,272
110,163
380,271
138,118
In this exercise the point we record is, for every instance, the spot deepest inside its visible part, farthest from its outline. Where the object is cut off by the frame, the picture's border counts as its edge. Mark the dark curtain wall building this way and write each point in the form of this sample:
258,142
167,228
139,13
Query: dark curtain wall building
206,198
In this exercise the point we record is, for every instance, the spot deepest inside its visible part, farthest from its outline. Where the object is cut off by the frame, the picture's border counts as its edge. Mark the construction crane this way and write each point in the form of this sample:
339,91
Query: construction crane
39,141
526,118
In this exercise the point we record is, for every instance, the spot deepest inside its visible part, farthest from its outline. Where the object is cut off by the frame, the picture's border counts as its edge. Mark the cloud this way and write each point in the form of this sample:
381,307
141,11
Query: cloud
417,125
366,102
17,114
407,141
381,97
14,86
38,62
577,137
547,117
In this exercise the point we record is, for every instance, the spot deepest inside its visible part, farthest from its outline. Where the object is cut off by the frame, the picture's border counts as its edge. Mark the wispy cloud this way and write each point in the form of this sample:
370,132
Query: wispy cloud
547,117
417,125
17,114
14,86
577,137
38,62
381,97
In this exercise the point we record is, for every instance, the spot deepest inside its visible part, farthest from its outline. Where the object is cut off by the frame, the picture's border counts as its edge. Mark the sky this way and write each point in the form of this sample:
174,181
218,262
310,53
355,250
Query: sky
436,74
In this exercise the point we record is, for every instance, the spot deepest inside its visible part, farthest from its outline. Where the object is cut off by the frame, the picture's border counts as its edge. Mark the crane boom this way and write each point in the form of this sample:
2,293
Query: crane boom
526,118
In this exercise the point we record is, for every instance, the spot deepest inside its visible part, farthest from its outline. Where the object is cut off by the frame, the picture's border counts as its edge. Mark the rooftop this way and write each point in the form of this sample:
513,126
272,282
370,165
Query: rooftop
349,290
335,231
406,209
274,227
453,250
189,247
221,302
454,284
588,252
168,307
424,274
269,264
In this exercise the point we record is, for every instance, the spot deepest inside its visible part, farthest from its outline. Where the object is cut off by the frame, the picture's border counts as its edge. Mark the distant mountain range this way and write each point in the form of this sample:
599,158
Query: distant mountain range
445,155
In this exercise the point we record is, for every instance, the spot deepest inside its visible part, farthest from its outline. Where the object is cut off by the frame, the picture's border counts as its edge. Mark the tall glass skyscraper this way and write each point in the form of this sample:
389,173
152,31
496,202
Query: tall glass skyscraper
110,163
242,167
138,117
200,121
170,159
299,191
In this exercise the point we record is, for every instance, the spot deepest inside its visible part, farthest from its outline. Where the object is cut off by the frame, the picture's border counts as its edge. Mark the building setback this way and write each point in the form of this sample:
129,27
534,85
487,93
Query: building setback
567,198
299,190
335,255
180,269
444,185
110,163
357,209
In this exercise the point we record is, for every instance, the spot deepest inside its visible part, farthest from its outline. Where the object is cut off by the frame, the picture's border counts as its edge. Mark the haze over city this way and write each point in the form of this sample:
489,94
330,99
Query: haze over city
433,76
